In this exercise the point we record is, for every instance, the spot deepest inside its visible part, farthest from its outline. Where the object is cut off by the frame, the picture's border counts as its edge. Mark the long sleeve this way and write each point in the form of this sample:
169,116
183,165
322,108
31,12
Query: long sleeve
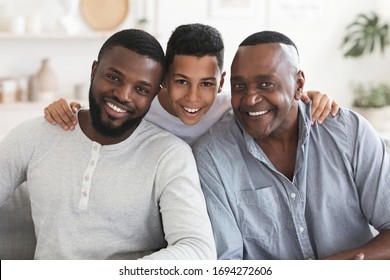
14,156
183,210
371,165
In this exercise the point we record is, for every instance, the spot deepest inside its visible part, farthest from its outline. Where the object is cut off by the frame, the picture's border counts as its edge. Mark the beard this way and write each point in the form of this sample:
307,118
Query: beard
106,128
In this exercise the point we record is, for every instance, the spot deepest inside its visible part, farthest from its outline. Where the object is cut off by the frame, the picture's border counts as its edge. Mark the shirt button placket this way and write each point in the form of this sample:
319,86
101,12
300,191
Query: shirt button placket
87,178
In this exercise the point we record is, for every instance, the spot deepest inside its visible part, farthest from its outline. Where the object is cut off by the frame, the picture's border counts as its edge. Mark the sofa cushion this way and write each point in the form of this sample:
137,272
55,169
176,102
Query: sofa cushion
17,236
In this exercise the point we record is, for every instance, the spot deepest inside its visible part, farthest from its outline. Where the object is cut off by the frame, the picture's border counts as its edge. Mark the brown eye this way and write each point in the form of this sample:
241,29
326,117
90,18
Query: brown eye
266,85
207,84
239,86
142,90
181,82
113,77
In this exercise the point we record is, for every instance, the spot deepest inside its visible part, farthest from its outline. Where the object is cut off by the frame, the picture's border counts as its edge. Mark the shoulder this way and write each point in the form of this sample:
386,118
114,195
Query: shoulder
224,98
32,135
349,121
348,130
221,104
31,128
218,135
159,137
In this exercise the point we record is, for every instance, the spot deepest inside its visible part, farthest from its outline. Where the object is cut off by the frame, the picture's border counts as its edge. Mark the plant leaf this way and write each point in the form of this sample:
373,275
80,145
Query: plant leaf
355,50
362,34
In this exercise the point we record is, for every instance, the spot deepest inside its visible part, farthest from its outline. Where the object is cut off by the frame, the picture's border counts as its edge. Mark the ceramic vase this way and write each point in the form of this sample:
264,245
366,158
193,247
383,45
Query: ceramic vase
46,82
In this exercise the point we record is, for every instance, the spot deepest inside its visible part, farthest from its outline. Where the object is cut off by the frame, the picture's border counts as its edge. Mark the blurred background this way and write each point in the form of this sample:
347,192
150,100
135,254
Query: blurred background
57,41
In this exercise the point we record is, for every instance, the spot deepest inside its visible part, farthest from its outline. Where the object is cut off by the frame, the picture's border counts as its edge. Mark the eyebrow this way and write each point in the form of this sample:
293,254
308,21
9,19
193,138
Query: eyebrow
144,83
186,77
116,71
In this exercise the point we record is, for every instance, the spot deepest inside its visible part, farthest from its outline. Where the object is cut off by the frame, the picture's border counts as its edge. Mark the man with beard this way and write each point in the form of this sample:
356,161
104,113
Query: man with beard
117,187
277,187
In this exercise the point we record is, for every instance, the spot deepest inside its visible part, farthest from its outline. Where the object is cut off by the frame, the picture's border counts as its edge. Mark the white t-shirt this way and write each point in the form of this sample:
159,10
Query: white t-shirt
189,133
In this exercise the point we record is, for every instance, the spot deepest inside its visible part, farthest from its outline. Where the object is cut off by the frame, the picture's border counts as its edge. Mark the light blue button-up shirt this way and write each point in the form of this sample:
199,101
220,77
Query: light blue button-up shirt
341,185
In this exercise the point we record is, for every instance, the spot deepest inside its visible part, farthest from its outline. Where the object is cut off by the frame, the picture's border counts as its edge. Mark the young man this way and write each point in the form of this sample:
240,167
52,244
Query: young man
277,187
192,99
117,186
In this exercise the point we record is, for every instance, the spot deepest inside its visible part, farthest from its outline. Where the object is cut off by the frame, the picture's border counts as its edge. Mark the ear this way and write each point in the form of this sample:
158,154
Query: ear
221,82
93,70
300,82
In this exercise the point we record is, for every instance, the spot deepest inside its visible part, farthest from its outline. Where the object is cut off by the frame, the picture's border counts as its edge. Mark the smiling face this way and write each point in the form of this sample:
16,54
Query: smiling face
192,85
123,85
266,85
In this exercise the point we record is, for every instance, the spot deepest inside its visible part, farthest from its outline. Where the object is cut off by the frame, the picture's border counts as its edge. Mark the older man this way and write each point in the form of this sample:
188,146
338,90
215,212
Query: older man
277,187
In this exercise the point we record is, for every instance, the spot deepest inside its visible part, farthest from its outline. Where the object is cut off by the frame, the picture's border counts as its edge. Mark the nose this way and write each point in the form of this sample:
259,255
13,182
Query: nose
252,97
193,94
126,93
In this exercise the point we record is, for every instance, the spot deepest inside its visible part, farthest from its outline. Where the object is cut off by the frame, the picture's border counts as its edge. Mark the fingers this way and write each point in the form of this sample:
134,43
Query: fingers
305,98
322,106
59,113
48,116
75,106
335,108
323,109
359,256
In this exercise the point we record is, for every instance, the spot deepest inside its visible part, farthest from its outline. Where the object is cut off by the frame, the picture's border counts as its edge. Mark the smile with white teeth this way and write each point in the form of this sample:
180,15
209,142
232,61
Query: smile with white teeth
259,113
191,110
115,108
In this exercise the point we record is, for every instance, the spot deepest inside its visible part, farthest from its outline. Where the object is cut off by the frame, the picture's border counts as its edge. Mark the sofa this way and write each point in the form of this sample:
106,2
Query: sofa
17,236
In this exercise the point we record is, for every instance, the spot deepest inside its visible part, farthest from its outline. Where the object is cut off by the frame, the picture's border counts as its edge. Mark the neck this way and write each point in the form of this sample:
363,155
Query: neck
284,140
281,148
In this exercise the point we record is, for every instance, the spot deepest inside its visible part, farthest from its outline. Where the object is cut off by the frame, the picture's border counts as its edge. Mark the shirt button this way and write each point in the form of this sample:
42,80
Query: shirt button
85,193
293,195
86,178
301,229
95,147
92,162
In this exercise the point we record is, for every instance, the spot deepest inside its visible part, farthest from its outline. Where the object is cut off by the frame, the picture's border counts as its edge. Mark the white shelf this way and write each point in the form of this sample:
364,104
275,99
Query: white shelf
56,36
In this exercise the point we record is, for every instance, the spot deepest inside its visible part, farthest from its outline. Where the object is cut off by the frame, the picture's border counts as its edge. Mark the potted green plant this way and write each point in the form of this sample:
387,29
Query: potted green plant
365,35
373,102
371,96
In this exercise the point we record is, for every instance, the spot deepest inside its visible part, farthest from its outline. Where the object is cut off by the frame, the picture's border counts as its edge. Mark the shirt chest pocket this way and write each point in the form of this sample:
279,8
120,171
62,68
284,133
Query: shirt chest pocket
260,213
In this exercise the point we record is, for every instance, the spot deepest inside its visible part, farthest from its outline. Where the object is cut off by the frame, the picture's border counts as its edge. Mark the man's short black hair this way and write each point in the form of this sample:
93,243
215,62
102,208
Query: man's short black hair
136,40
268,37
